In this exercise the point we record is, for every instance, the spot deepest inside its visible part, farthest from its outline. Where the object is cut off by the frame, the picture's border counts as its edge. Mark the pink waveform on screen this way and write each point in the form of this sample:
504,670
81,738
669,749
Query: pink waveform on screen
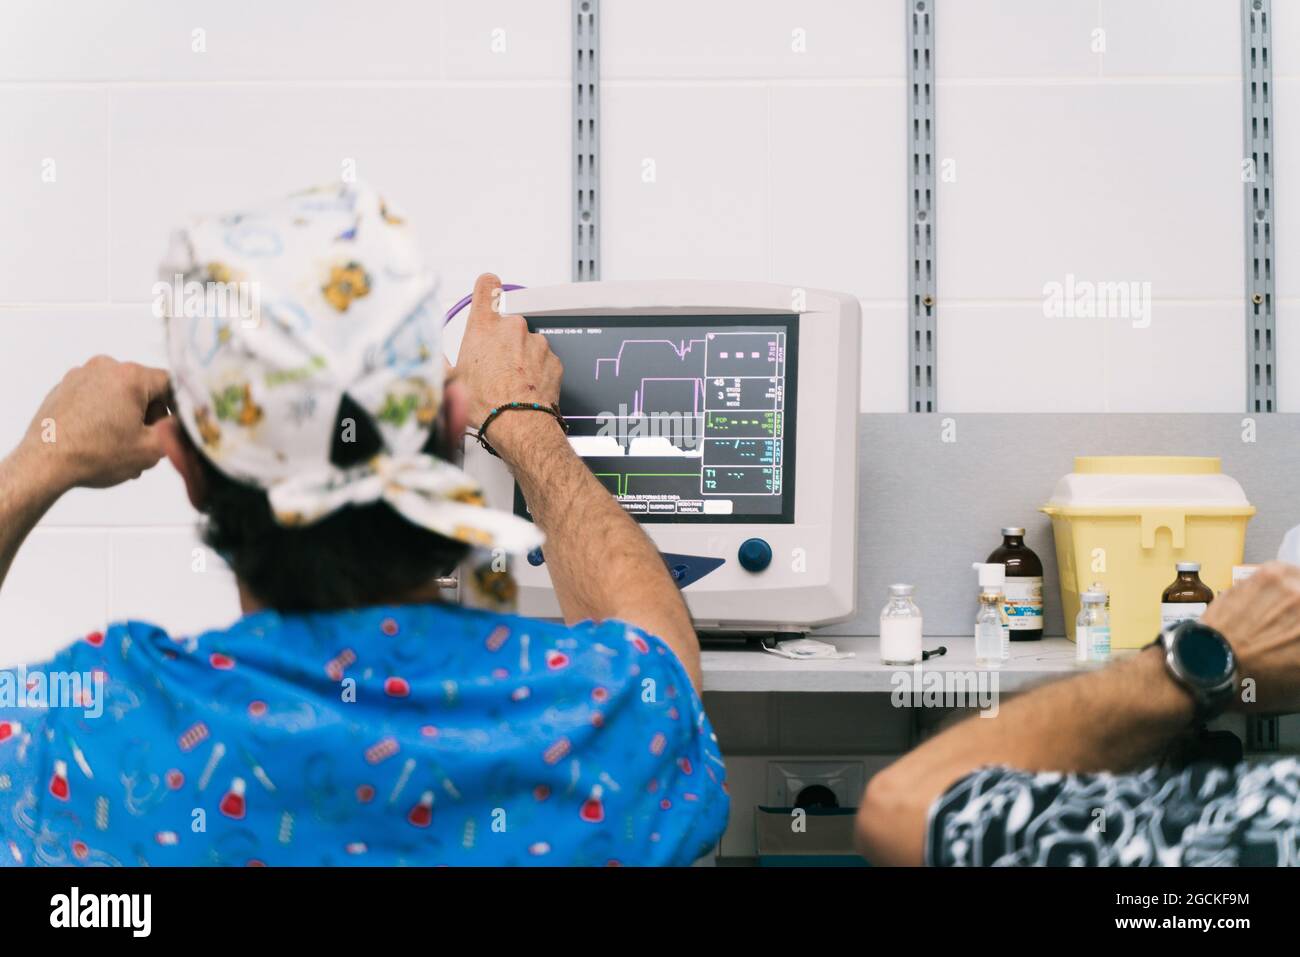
681,348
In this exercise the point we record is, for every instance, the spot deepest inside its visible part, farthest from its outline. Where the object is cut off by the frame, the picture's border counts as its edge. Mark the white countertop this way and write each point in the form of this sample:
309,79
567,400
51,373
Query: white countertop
749,668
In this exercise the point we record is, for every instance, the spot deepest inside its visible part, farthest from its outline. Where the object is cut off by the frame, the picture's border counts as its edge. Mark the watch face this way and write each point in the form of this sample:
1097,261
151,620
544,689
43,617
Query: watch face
1203,656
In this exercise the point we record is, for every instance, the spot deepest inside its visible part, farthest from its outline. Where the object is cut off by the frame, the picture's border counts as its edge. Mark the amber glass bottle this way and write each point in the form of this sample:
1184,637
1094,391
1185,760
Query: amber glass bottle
1023,595
1187,597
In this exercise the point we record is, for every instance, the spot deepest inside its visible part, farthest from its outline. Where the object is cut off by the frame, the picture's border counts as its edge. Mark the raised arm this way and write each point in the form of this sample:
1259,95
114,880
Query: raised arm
601,563
1111,720
26,493
95,429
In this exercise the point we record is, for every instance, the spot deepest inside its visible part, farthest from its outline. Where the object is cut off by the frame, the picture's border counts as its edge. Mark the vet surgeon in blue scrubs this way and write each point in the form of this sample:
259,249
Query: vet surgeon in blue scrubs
350,717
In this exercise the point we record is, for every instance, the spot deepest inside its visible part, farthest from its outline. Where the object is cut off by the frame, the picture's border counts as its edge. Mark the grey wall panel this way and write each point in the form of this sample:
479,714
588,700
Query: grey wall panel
929,508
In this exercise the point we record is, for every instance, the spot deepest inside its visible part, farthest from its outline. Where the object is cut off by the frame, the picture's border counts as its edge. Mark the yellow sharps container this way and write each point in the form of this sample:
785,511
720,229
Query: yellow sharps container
1125,521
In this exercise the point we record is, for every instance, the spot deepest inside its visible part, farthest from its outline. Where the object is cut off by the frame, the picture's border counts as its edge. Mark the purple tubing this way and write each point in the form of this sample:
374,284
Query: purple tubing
451,313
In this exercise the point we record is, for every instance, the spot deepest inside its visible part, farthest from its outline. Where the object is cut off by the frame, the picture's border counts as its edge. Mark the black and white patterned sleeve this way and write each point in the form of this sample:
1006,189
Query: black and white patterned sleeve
1206,815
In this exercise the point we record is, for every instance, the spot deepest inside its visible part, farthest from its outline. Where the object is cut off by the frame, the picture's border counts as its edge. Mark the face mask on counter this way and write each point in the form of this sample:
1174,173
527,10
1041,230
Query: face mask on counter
806,648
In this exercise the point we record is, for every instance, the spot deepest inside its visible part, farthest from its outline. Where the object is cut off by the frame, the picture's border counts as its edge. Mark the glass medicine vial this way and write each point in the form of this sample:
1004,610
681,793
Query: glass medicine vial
900,628
1187,597
1092,630
992,637
1022,591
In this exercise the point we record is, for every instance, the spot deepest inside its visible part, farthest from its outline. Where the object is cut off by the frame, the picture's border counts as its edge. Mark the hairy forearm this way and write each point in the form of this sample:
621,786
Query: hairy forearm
600,561
1111,720
28,488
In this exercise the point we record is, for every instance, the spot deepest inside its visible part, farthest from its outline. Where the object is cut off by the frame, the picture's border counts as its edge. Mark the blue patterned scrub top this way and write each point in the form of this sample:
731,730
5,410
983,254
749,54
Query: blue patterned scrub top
417,734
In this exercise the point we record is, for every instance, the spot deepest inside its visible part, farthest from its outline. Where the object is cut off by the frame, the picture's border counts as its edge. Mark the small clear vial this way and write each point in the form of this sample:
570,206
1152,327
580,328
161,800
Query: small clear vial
900,628
1092,630
990,631
992,635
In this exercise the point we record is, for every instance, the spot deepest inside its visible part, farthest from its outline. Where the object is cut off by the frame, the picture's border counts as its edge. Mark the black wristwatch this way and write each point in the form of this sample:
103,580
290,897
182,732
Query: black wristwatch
1200,660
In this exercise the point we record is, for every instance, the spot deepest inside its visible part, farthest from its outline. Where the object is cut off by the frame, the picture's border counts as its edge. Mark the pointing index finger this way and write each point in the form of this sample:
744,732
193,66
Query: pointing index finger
484,304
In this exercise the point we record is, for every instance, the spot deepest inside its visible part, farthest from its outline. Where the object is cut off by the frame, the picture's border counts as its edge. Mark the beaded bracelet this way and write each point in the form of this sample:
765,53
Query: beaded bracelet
551,410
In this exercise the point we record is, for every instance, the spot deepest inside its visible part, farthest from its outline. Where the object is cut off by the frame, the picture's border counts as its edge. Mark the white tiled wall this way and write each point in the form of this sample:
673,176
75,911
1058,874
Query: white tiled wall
764,140
748,139
1100,140
59,252
460,111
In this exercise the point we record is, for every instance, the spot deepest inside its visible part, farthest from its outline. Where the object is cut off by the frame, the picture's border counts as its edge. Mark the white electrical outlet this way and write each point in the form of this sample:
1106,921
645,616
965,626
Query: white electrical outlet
785,779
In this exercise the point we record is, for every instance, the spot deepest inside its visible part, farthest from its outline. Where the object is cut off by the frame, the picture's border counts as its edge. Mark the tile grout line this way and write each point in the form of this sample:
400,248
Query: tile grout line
358,83
85,304
1105,328
767,212
108,199
108,576
1101,25
442,42
690,80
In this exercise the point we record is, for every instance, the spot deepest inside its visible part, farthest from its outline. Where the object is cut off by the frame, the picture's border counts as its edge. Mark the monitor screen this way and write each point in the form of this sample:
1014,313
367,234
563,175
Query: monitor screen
683,418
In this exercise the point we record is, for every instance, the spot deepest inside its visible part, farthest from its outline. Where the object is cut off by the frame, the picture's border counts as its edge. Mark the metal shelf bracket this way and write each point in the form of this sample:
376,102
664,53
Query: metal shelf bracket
586,140
923,338
1260,201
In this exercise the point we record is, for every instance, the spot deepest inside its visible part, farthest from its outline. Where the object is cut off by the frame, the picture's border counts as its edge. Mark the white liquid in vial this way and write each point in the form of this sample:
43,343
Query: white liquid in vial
900,640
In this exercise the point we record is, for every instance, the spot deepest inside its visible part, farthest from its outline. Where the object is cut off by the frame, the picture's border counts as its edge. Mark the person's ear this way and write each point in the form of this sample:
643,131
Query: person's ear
184,457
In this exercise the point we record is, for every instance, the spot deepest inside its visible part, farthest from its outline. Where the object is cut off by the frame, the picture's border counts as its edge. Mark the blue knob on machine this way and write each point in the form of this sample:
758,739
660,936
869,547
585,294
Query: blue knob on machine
755,554
535,557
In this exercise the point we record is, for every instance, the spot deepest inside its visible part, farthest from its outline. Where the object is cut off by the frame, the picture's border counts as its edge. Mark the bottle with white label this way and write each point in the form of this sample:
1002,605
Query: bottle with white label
1242,572
1187,597
1092,630
992,644
1023,592
900,628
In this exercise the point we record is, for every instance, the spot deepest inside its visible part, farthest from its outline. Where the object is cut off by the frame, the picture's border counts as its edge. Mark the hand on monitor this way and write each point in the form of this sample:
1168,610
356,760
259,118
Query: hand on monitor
501,361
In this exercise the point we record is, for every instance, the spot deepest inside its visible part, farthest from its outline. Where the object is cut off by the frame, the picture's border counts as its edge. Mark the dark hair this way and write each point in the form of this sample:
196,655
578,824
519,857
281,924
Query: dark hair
359,555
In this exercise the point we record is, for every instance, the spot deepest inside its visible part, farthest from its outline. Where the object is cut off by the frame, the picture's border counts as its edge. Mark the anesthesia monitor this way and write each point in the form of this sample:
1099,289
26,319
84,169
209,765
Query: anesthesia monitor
723,417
